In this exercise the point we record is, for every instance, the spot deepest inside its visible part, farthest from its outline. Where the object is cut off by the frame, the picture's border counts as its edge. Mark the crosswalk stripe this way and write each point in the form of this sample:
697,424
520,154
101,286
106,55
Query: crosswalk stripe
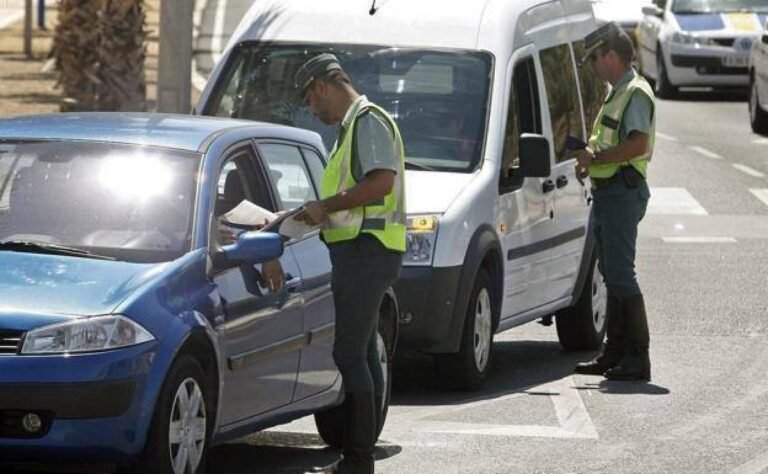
674,201
761,194
747,170
760,141
705,152
664,136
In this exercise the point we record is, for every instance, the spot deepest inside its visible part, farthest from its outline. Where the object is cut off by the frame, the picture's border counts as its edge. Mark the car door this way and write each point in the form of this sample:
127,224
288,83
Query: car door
525,205
571,207
297,171
261,333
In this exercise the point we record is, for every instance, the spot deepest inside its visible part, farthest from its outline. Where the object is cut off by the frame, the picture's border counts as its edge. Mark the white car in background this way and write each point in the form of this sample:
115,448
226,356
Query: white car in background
699,42
758,84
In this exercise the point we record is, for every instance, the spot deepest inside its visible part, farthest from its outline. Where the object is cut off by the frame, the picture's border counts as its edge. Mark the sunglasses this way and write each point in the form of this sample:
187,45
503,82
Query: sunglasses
593,55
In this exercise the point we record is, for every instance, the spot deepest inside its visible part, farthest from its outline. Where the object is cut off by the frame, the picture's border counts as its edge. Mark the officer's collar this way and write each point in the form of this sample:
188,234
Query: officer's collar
625,79
353,110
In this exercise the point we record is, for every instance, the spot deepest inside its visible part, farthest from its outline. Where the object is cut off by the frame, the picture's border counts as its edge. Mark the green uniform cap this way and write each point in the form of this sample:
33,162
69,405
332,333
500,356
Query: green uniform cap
314,68
599,38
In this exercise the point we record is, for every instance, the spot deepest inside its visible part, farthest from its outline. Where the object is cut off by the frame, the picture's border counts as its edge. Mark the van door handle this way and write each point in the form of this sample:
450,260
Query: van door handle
548,186
292,283
562,181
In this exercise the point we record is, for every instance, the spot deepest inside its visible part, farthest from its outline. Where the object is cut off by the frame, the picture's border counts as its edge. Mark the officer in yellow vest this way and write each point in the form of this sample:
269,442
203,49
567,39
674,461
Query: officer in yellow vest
616,160
362,213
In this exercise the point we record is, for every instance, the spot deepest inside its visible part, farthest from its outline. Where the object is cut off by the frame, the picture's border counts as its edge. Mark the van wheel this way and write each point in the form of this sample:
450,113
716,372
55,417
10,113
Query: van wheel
467,369
330,423
181,428
582,326
664,88
758,117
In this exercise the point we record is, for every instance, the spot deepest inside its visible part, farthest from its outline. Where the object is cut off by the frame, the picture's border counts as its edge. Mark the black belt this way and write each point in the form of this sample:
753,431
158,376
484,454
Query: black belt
627,176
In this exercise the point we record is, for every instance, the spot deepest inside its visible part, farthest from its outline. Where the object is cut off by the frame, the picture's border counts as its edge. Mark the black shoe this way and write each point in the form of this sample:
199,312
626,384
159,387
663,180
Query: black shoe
636,367
599,365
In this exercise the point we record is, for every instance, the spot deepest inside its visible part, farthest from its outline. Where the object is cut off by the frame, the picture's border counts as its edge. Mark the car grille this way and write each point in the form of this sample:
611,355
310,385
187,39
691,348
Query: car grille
727,42
10,342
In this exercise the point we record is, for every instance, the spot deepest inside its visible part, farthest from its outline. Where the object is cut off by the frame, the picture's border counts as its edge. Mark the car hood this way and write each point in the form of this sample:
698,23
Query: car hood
620,11
57,287
725,23
432,192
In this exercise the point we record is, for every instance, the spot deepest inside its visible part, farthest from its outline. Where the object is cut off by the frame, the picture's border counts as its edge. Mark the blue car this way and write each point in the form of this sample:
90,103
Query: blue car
131,332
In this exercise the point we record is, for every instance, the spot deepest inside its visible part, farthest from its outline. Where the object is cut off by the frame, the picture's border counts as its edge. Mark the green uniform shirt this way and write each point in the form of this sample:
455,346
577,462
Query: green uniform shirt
374,142
639,113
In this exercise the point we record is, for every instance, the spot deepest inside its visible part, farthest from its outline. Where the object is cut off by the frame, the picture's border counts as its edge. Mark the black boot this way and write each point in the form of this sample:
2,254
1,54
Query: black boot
636,365
615,344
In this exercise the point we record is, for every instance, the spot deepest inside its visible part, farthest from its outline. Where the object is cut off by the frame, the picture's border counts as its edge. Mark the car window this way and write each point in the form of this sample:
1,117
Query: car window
289,174
316,166
560,83
133,203
524,116
593,90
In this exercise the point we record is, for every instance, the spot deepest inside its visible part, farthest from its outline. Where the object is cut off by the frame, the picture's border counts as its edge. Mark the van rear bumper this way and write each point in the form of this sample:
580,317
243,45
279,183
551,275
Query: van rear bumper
427,298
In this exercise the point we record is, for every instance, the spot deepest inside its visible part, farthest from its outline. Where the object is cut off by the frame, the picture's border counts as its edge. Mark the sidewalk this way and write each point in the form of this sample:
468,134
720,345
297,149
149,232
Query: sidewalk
25,89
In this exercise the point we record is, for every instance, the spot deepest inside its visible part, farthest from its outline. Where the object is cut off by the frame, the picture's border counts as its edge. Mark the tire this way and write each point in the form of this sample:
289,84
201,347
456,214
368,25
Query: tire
663,88
758,118
176,429
330,423
467,369
582,326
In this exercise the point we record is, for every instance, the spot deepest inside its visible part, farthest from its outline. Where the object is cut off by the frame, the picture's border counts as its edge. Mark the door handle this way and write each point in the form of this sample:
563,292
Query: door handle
562,181
548,186
292,283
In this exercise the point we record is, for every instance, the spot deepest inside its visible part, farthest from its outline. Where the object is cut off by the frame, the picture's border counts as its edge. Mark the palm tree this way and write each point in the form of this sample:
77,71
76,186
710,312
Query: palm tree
100,53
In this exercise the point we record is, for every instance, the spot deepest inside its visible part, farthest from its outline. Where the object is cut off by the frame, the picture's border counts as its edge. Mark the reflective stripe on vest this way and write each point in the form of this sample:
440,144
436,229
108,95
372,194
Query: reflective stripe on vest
605,132
384,219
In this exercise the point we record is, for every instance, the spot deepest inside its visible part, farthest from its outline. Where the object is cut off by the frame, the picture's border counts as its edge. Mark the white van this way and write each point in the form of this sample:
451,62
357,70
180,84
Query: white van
485,93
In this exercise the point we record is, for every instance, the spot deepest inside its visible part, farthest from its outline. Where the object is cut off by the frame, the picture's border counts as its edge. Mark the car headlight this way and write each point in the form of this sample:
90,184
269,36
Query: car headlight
420,240
685,38
85,335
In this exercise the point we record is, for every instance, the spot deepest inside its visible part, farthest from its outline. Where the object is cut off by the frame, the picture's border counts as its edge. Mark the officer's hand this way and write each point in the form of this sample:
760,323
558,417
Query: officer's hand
314,213
226,234
272,276
584,158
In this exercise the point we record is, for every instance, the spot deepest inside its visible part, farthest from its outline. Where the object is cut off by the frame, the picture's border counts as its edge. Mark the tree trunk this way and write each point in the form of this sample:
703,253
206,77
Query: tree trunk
100,55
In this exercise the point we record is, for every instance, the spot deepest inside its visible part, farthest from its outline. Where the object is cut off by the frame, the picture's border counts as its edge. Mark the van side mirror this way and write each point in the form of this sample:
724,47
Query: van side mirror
534,156
254,247
653,10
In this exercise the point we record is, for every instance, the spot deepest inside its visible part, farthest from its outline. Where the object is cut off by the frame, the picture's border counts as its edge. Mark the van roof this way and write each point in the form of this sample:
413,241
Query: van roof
459,24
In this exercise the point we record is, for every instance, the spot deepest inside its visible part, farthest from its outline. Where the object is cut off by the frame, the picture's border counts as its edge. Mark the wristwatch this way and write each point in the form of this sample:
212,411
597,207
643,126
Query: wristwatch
595,157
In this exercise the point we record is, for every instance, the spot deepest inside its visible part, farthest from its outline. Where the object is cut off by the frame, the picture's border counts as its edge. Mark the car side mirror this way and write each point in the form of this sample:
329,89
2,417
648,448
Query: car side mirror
254,247
534,156
653,10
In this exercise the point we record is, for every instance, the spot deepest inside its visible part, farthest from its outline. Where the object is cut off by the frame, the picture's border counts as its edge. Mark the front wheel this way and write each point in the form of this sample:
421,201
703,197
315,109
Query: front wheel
758,118
330,423
467,369
582,326
664,88
180,432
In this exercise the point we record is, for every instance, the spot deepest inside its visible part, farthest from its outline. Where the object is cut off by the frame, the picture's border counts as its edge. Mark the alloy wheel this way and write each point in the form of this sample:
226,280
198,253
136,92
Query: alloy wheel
599,300
186,432
482,340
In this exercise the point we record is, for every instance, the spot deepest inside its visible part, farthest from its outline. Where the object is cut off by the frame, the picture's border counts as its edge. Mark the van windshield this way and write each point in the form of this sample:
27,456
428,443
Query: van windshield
709,6
439,98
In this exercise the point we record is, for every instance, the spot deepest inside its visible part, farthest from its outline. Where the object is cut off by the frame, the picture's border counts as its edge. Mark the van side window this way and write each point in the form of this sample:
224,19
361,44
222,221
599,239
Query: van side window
524,116
560,82
593,90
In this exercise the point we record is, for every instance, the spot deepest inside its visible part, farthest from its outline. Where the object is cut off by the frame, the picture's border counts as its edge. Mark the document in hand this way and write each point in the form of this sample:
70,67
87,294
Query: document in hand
287,226
249,215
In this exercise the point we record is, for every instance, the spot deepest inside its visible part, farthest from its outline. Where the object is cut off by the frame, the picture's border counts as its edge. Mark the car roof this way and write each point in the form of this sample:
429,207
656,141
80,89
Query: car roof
182,132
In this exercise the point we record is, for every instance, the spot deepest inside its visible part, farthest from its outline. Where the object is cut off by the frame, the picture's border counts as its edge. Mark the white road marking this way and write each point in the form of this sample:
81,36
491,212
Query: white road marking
674,201
669,138
574,419
705,152
747,170
757,141
761,194
699,240
9,18
755,466
218,30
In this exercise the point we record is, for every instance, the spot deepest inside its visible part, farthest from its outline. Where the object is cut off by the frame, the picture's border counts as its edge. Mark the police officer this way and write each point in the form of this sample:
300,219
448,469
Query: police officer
616,160
362,212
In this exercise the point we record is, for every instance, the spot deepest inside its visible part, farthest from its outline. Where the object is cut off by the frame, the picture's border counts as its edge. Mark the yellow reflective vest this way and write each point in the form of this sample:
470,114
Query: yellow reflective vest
605,132
384,219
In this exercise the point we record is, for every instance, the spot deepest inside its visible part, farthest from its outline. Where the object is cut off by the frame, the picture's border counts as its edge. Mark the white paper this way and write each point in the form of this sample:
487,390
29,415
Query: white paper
294,229
248,213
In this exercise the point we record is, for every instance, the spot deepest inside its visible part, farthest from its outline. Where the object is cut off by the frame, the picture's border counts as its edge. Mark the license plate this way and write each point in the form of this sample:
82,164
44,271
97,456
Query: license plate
735,61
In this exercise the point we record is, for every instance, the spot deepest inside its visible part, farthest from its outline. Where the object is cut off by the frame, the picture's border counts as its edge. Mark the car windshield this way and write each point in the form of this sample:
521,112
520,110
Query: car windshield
709,6
439,98
131,203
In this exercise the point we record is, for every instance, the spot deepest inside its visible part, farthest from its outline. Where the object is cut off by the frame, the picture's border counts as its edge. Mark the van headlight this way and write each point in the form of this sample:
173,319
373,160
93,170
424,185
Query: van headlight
420,240
85,335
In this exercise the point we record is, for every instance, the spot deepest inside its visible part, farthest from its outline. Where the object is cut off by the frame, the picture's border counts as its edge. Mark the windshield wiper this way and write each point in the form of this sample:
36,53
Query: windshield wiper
411,165
49,249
